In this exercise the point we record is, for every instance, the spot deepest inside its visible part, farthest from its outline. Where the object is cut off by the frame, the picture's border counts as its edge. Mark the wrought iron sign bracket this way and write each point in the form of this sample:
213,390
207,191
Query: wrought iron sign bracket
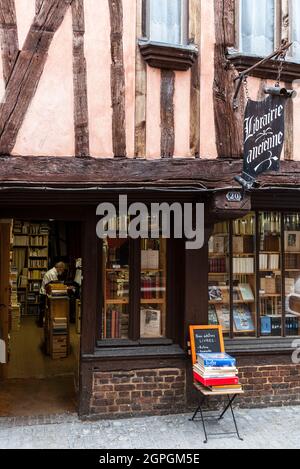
281,51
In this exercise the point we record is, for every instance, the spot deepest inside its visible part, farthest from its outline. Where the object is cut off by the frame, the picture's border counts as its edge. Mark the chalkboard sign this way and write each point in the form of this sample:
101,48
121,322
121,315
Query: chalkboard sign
207,339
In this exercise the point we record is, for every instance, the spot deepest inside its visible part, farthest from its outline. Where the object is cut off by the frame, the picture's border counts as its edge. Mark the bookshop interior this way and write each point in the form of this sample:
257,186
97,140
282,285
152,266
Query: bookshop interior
42,325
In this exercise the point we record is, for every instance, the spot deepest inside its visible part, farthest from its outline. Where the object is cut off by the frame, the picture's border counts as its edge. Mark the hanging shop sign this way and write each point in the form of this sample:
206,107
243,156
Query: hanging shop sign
263,135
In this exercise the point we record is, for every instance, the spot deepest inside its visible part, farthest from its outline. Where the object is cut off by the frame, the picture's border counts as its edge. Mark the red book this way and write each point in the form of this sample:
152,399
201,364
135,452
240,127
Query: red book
215,381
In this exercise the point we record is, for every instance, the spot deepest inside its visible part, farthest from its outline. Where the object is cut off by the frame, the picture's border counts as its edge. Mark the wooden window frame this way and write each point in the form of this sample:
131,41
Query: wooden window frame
134,338
232,337
167,56
184,30
242,61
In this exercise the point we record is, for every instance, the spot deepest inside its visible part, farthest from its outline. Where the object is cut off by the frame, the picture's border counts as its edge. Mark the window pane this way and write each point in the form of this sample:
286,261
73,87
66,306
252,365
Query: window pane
218,279
244,278
270,273
295,28
116,289
165,21
257,22
292,272
153,288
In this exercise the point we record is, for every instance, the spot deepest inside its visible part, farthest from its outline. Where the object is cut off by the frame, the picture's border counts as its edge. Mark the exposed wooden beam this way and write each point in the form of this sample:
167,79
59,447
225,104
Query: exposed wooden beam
167,113
28,69
140,89
81,119
229,131
289,128
195,33
9,37
129,172
117,78
38,6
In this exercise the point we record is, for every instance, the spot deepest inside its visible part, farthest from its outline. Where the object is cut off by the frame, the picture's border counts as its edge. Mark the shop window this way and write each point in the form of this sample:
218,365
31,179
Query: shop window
116,289
134,286
257,26
219,280
167,21
270,273
153,288
244,276
254,275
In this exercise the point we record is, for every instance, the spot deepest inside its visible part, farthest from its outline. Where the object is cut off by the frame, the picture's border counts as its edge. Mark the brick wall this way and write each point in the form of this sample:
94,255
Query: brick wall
138,392
273,385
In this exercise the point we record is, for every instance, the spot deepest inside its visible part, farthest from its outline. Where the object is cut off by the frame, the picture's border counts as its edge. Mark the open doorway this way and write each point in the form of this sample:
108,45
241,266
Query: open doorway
40,297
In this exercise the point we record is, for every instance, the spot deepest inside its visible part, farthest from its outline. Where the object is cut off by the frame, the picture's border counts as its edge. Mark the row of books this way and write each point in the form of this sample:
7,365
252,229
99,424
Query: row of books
270,306
217,372
270,222
292,261
242,317
38,263
117,285
241,292
36,274
243,244
243,265
217,265
117,321
33,240
271,325
244,226
270,243
269,261
38,252
30,228
152,286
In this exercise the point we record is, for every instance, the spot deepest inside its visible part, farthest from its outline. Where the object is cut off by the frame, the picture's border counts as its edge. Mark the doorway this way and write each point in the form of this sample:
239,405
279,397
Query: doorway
40,320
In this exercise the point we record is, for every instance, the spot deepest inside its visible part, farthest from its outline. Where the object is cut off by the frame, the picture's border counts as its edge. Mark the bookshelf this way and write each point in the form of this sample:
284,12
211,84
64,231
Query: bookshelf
30,258
232,276
254,275
153,288
116,289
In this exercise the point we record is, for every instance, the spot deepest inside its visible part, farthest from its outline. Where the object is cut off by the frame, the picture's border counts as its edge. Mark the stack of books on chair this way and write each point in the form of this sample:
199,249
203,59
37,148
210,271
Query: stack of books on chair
217,372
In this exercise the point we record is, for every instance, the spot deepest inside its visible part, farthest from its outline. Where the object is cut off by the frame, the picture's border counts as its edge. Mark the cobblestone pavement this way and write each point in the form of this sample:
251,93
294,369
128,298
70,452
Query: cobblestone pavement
266,428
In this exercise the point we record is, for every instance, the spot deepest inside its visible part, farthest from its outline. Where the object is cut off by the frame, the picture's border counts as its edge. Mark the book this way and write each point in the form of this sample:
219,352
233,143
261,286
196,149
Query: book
246,292
223,314
215,381
242,318
150,322
228,387
207,372
216,359
212,315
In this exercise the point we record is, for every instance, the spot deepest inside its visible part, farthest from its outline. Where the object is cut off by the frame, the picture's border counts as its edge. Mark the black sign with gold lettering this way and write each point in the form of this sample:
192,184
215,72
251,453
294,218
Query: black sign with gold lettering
263,135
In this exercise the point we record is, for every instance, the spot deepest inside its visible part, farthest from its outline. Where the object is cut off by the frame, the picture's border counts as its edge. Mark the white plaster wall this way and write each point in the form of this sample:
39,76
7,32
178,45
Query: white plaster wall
48,128
98,57
129,45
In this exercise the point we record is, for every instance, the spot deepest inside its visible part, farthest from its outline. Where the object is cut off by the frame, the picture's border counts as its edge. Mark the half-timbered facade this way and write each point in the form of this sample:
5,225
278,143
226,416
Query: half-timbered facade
106,97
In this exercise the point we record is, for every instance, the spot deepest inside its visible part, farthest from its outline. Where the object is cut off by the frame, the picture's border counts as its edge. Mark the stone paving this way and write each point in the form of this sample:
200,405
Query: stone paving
264,428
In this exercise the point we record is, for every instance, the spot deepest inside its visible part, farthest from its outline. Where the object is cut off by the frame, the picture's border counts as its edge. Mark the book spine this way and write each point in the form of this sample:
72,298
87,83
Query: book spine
209,363
215,381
